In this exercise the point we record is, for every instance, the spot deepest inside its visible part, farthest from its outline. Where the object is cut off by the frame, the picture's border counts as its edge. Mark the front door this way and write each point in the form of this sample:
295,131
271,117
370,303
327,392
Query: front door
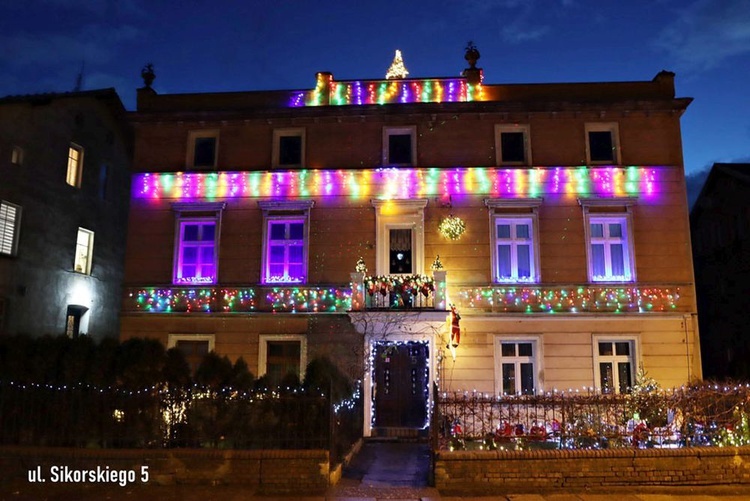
401,384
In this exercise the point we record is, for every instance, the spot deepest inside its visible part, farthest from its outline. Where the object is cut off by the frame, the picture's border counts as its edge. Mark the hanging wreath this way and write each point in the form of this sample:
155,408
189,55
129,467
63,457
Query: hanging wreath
452,227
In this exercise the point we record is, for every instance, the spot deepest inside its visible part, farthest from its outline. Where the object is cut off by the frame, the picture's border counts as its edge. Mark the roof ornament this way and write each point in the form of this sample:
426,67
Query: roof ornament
472,55
397,69
148,75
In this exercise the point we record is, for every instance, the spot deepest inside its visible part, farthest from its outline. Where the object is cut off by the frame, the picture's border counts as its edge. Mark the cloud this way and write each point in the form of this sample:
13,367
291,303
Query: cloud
707,33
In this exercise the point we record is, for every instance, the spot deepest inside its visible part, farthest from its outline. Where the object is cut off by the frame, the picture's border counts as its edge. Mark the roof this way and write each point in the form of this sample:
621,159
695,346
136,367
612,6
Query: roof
738,172
108,95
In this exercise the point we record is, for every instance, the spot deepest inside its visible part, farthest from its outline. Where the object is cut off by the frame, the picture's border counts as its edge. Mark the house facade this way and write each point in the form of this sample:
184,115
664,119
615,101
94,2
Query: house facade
720,229
510,238
64,190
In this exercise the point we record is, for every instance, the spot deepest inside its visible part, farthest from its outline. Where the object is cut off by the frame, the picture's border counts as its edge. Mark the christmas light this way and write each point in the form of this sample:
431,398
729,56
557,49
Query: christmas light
397,68
526,299
452,227
392,183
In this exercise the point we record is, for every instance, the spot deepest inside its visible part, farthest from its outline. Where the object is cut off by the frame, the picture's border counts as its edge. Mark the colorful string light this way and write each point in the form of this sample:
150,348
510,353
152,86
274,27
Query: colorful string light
392,183
327,91
581,299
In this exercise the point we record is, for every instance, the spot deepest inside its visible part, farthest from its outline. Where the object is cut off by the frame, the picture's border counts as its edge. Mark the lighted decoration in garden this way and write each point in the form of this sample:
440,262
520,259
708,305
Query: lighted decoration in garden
401,183
452,227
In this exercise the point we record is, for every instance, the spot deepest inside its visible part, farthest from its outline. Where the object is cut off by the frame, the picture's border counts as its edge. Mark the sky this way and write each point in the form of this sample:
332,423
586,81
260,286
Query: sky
236,45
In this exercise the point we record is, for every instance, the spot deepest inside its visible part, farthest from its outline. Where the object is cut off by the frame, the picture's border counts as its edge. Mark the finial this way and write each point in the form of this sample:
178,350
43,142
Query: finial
148,75
472,54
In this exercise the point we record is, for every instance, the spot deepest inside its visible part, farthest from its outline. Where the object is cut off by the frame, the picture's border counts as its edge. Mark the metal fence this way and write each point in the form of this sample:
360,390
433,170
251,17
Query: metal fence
86,416
698,415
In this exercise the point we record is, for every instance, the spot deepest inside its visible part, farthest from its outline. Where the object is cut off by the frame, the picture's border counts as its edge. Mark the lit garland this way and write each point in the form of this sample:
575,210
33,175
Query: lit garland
579,299
571,300
401,183
327,91
452,227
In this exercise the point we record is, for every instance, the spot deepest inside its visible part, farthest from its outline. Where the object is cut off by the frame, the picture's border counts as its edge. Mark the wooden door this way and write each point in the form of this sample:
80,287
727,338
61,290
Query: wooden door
401,385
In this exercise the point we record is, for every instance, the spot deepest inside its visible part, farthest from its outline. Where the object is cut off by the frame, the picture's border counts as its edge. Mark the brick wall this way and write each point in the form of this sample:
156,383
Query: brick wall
262,472
485,472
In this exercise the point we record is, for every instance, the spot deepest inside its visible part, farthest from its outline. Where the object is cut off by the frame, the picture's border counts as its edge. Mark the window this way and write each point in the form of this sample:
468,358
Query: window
614,360
73,318
84,251
194,347
514,249
197,243
512,145
400,145
399,236
285,239
609,250
609,239
517,365
515,239
203,148
103,181
10,224
16,156
602,143
282,355
75,165
288,148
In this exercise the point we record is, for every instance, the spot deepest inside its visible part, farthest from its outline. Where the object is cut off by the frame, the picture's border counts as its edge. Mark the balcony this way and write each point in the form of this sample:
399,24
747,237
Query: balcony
399,292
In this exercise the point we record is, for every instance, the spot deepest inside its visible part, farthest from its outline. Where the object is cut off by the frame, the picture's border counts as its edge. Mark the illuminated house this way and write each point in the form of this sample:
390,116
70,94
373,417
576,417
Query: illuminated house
558,212
64,191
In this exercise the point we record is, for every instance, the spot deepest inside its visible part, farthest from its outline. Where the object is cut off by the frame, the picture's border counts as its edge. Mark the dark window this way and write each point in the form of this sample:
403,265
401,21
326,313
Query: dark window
73,320
205,152
193,351
512,147
399,149
290,150
400,252
282,359
601,147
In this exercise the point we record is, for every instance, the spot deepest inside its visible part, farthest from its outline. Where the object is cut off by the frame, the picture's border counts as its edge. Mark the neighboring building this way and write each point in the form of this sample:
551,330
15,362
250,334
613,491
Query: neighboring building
720,228
64,184
249,212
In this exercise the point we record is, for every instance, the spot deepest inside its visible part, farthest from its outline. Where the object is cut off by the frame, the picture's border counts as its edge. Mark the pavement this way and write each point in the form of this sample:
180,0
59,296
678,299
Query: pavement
380,471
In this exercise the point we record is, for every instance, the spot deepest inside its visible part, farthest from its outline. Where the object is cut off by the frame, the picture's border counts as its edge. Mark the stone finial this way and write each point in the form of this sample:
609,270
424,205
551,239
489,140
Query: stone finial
472,55
148,75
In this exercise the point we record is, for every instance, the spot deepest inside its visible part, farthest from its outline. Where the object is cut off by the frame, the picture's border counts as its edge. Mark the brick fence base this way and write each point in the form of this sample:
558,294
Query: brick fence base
262,472
486,472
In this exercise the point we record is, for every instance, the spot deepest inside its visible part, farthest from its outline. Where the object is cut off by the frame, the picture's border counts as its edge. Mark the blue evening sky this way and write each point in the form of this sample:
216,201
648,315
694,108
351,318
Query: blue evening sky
234,45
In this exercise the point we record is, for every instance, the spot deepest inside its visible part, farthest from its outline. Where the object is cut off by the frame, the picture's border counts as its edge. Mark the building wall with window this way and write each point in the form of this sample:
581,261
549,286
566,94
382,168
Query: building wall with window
574,267
64,165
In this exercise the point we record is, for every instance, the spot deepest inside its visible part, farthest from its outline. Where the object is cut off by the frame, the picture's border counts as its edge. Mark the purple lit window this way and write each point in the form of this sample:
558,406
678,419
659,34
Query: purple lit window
196,254
514,250
285,251
609,251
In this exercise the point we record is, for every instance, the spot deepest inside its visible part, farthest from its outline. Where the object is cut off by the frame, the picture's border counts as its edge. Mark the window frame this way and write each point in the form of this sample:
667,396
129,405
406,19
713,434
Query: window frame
525,129
274,212
401,130
276,152
614,129
173,339
606,209
187,213
74,175
264,339
537,360
515,209
399,214
193,136
89,247
633,358
15,229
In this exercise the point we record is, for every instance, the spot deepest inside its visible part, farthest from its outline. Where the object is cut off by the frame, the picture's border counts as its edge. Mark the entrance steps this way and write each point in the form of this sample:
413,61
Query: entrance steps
397,434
